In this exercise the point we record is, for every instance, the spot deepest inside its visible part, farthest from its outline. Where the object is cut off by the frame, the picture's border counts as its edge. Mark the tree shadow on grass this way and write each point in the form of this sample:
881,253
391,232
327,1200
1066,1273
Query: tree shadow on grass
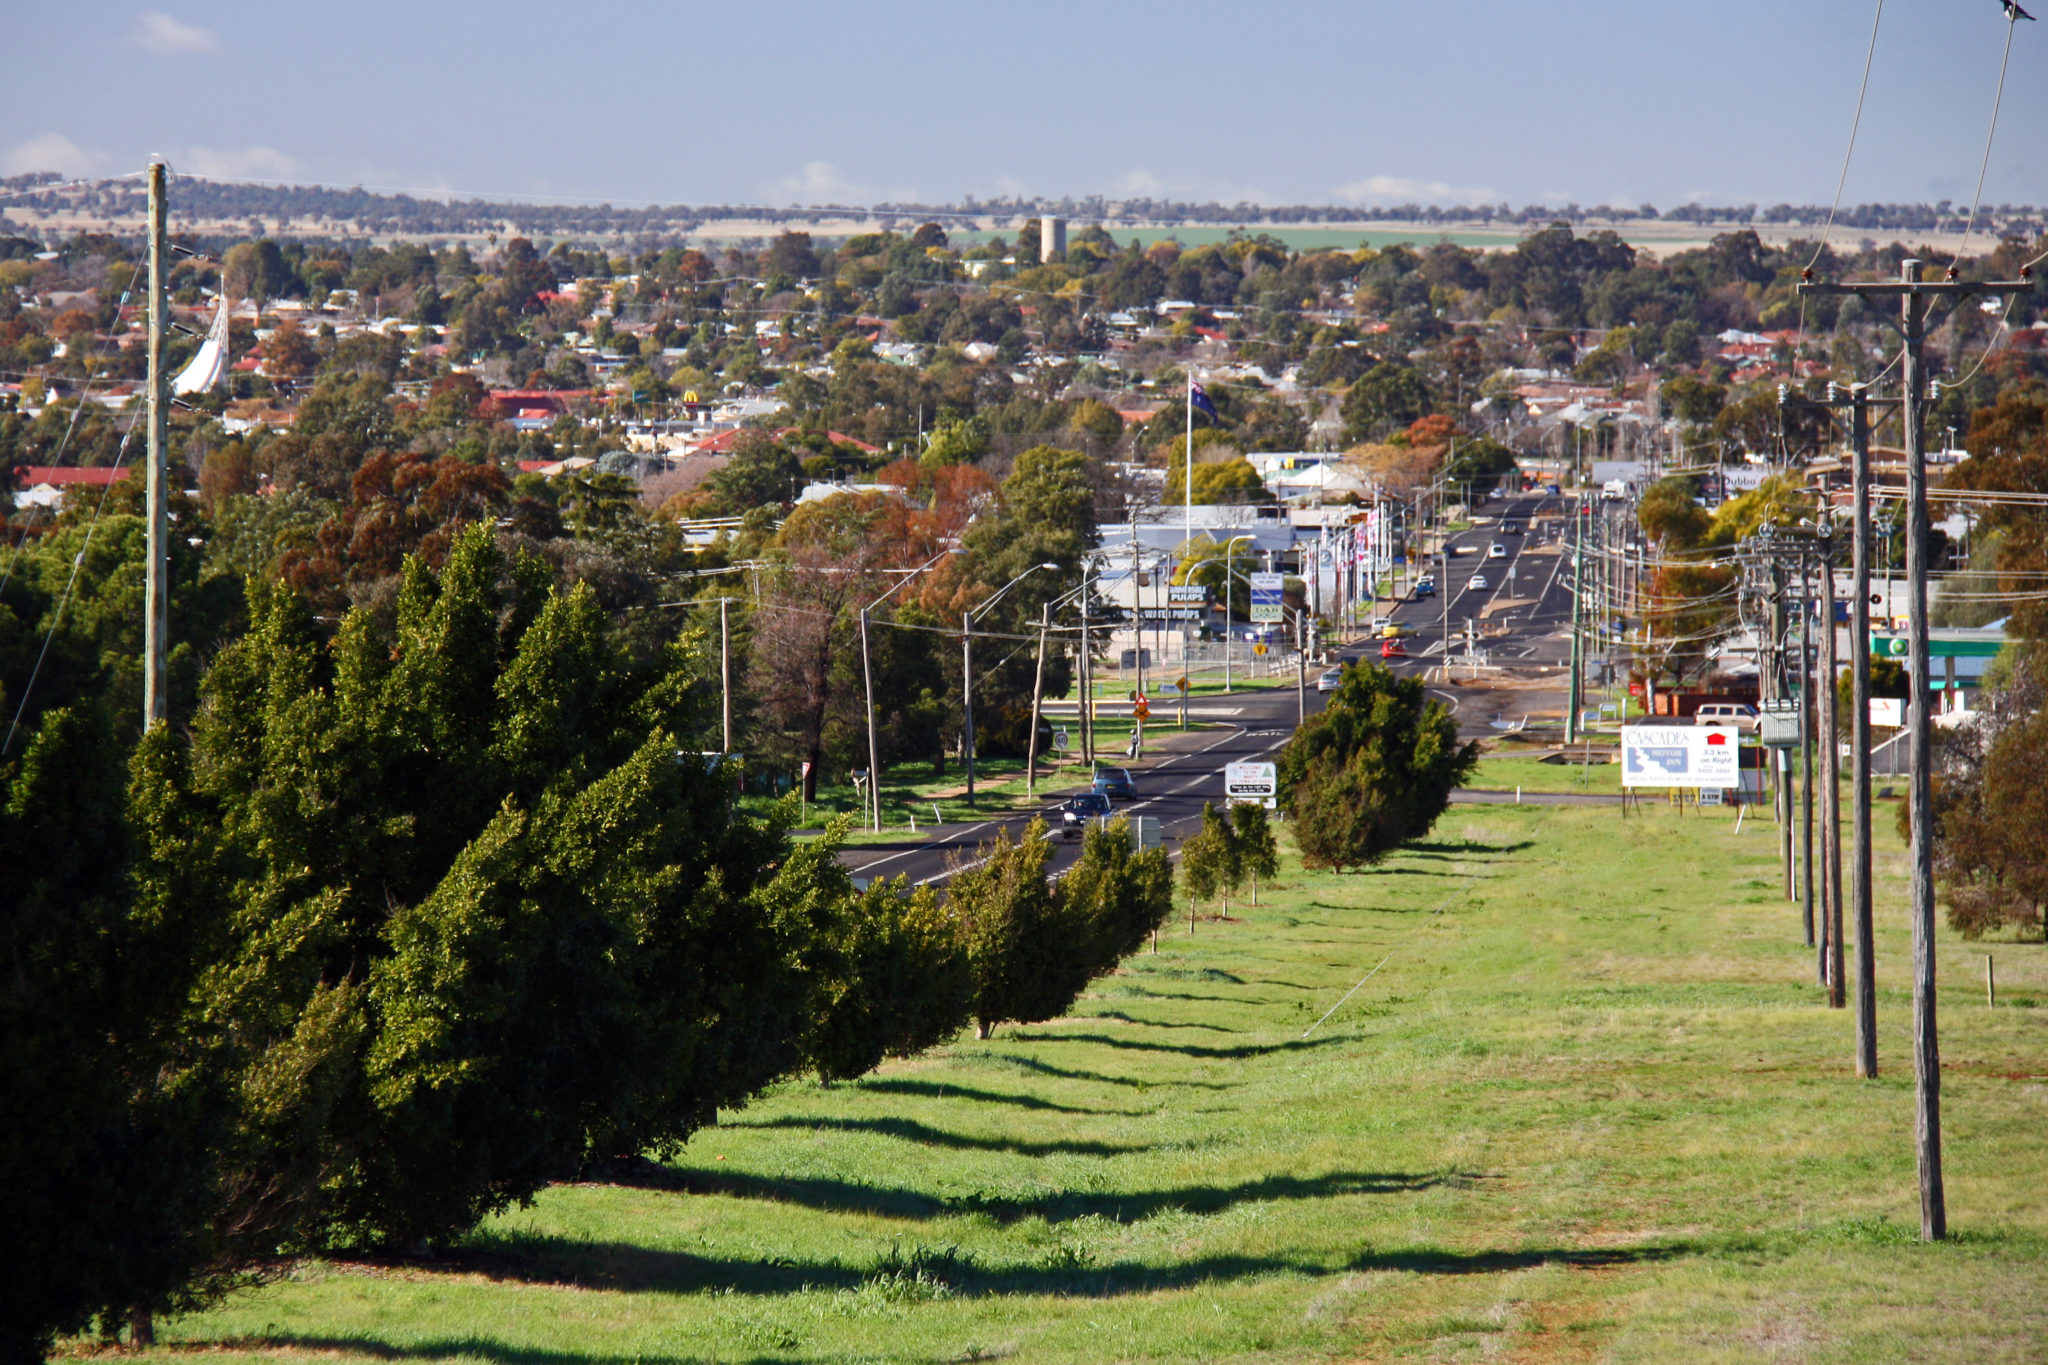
855,1196
939,1090
1462,848
911,1130
616,1266
1429,1260
1032,1064
1121,1017
1238,1053
450,1348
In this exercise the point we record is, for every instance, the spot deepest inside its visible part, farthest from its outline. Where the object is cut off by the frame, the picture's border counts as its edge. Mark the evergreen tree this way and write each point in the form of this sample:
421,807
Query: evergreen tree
1258,850
1372,771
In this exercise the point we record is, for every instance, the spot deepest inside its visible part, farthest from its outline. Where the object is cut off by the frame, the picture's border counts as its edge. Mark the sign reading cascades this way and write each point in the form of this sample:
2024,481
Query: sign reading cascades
1680,756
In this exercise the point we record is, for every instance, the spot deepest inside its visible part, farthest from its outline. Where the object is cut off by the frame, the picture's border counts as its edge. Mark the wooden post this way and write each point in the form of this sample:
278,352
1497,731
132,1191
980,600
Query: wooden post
1990,983
1859,650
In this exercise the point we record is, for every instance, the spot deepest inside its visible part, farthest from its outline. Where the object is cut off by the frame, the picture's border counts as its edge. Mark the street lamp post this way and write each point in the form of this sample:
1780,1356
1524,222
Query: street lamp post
868,682
967,668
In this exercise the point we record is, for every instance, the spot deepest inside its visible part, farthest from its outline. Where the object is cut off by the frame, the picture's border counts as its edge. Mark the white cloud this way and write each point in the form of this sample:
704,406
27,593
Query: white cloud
157,32
239,163
50,152
1400,189
819,182
1140,183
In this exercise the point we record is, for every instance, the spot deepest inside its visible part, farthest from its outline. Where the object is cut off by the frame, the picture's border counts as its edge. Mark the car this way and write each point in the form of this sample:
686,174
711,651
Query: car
1550,489
1496,551
1425,589
1726,713
1077,811
1393,649
1394,630
1511,528
1478,583
1111,783
1330,680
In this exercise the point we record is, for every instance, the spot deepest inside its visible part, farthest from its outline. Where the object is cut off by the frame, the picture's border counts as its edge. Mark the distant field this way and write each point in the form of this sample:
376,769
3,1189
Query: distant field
1591,1108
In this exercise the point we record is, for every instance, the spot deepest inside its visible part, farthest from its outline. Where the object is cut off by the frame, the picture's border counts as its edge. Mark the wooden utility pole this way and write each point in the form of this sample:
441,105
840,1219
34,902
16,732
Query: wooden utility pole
157,590
1831,785
1859,648
1914,294
1806,719
1037,692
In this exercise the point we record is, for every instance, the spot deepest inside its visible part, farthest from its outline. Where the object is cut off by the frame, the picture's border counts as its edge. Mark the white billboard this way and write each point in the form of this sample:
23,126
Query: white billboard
1251,779
1680,756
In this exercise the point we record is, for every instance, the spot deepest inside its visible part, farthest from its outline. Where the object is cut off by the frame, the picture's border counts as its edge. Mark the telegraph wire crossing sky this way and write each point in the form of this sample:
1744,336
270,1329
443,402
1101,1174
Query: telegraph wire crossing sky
1372,103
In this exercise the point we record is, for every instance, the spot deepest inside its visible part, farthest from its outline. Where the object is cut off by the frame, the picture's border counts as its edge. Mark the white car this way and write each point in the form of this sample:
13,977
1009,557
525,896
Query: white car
1496,551
1478,583
1330,681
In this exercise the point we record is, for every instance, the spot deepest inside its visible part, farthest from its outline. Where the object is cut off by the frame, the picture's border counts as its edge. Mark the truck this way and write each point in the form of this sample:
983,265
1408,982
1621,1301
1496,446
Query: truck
1614,490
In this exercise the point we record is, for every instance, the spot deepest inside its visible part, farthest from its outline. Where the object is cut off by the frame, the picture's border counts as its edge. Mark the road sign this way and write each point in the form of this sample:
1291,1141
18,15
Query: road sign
1141,708
1266,588
1258,649
1062,741
1182,683
1251,780
1680,756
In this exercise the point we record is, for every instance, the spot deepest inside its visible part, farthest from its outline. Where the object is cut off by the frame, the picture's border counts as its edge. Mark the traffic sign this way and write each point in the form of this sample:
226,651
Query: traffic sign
1258,649
1182,683
1251,781
1062,741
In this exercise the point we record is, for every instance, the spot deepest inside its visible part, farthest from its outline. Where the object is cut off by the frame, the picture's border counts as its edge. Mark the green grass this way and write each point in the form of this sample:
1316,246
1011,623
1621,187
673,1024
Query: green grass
1592,1108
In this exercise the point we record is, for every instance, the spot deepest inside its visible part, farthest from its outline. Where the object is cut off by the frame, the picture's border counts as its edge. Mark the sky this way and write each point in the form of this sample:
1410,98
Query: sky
859,101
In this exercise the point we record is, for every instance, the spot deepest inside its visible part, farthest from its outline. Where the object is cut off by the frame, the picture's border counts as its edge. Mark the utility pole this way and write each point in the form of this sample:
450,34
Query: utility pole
1859,648
1571,700
157,592
1037,691
967,698
1781,804
1914,295
725,676
1831,790
1806,722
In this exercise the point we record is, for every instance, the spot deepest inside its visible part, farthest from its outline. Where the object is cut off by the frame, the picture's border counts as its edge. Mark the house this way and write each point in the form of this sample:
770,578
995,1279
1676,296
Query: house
45,485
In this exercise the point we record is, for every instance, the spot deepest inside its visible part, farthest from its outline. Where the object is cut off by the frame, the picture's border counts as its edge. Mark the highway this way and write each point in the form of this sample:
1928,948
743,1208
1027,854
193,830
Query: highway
1187,770
1172,786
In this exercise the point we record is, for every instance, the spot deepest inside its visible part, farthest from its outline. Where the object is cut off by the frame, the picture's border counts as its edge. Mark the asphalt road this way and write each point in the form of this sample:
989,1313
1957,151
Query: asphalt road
1172,787
1173,784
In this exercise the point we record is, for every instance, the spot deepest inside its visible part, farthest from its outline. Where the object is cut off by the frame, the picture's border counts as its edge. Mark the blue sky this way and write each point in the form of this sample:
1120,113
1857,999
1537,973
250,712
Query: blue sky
1595,101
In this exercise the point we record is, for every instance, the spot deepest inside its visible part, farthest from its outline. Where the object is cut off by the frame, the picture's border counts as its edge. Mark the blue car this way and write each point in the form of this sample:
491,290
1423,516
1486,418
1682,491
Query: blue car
1114,783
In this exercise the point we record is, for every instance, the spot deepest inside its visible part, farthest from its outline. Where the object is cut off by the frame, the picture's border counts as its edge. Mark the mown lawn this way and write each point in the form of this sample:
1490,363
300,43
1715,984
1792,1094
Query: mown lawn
1591,1108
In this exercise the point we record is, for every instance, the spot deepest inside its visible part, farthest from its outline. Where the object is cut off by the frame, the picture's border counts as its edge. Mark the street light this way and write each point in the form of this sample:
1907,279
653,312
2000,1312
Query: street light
868,679
967,665
1228,557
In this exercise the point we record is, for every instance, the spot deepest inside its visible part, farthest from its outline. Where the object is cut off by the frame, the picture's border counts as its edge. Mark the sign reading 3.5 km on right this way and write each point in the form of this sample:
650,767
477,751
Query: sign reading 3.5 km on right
1680,756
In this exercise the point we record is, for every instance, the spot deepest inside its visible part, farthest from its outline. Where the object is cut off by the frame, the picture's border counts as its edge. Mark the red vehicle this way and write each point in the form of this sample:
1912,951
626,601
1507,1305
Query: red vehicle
1393,649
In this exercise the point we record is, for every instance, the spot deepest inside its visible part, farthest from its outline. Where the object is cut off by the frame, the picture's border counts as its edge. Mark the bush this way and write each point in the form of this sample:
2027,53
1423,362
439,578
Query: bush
1373,771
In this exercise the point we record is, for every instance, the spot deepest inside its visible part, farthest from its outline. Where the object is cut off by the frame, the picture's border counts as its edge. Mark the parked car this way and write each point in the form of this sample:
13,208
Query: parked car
1496,551
1478,583
1330,680
1114,782
1726,713
1393,649
1077,811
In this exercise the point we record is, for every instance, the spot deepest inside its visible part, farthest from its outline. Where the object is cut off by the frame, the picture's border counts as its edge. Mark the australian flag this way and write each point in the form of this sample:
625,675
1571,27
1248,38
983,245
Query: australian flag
1199,396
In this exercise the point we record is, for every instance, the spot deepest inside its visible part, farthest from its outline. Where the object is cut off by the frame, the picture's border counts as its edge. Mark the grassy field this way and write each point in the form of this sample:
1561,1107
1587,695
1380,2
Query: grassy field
1592,1107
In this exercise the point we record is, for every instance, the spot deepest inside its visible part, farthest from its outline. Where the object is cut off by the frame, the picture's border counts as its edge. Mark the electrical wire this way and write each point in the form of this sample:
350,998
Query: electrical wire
70,583
2012,21
1862,89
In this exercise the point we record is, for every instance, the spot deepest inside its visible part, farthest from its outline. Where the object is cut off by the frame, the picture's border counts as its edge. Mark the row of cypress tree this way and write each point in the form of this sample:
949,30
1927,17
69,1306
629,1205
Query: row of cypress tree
420,917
